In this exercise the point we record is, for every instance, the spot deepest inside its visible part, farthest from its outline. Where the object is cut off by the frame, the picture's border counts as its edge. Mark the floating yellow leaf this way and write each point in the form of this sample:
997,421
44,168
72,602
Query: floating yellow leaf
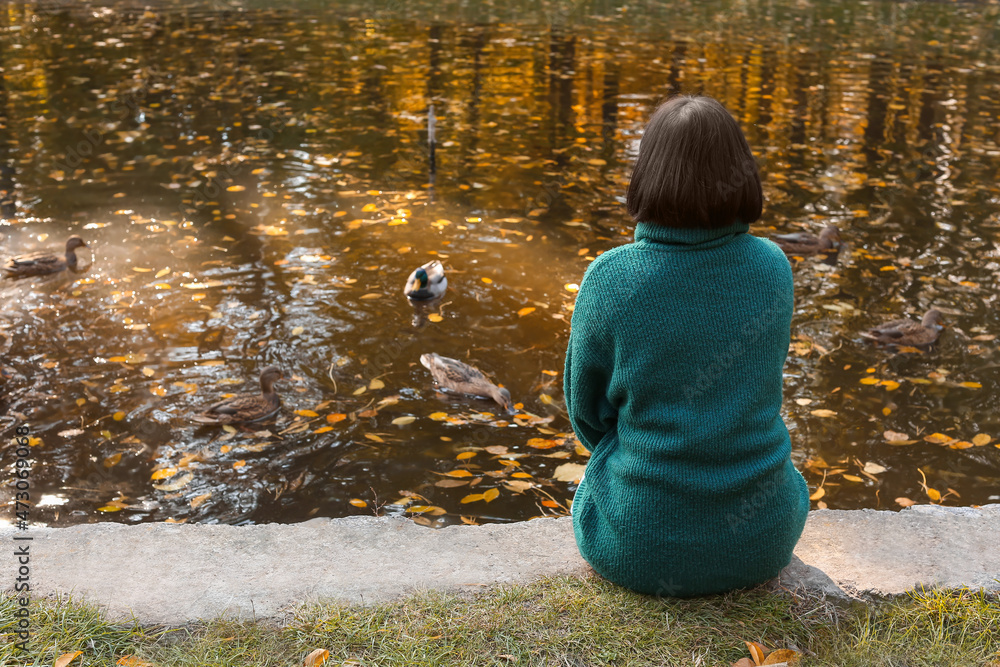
112,460
118,416
939,438
551,373
236,188
357,502
81,401
491,494
546,399
597,162
961,444
307,413
465,456
852,478
434,317
525,311
818,493
971,385
457,473
336,417
571,287
162,272
178,483
869,380
316,658
426,509
542,443
163,473
371,295
376,384
297,330
110,508
438,416
373,437
890,385
873,468
471,498
368,208
522,475
229,428
403,421
198,500
569,472
239,464
359,391
148,372
823,412
903,501
933,494
981,439
323,429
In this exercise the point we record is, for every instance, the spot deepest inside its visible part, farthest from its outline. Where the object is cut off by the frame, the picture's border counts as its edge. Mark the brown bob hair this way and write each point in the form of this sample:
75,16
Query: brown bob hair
695,168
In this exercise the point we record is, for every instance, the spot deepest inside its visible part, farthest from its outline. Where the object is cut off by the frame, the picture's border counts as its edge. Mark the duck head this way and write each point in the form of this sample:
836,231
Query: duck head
75,242
933,319
502,396
268,377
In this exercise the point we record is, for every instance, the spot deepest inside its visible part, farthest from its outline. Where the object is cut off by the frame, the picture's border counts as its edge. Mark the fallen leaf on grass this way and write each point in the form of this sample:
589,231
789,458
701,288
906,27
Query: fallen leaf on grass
782,656
317,657
65,659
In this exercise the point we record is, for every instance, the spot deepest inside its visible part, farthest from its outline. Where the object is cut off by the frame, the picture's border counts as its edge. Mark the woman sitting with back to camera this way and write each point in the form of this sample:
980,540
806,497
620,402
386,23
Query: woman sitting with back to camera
674,373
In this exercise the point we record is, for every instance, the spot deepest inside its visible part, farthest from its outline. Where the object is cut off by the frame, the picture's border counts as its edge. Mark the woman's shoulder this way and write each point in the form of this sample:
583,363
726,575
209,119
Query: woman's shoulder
768,254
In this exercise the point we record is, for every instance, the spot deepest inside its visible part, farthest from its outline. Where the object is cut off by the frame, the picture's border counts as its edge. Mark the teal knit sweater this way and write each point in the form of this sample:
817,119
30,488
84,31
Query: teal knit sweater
673,381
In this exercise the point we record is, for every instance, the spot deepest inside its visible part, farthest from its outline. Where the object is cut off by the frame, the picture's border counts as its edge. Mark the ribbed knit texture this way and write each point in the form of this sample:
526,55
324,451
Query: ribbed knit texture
673,381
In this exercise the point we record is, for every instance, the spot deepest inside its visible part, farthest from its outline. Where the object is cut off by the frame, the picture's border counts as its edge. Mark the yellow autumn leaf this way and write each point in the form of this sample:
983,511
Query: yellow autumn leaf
525,311
488,281
323,429
852,478
823,412
465,456
971,385
403,421
162,272
758,651
307,413
118,416
163,473
236,188
457,473
112,460
316,658
938,438
376,384
373,437
198,500
546,399
368,208
109,508
177,483
438,416
358,502
981,439
336,417
65,659
782,656
569,472
434,317
890,385
239,464
818,493
297,330
491,494
541,443
471,498
933,494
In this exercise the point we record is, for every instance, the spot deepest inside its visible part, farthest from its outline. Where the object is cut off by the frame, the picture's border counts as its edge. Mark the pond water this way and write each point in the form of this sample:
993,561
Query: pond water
255,186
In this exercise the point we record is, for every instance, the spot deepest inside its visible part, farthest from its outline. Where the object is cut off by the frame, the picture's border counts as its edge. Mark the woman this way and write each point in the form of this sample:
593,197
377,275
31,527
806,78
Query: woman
674,373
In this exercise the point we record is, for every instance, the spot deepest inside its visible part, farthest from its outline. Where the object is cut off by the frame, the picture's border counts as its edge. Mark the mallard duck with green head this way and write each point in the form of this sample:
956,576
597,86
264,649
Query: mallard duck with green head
247,407
906,332
426,282
42,263
461,378
804,244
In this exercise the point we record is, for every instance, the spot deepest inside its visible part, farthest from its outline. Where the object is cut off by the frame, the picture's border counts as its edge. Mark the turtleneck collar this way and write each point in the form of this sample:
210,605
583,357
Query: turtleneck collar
646,232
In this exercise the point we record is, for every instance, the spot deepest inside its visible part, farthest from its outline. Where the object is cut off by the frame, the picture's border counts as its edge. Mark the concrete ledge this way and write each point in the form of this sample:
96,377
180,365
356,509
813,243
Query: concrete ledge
173,574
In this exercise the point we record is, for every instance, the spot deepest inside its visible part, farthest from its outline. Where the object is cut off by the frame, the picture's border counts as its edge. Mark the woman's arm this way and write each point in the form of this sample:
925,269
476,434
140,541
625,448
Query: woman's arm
589,369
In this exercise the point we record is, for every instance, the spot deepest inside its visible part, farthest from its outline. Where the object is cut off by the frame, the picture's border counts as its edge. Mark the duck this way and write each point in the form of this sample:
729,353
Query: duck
907,332
426,282
461,378
247,407
804,244
43,263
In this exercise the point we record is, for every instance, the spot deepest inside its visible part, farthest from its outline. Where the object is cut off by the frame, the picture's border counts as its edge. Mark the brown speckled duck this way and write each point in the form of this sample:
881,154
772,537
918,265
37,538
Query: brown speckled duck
907,332
462,378
248,407
804,244
42,263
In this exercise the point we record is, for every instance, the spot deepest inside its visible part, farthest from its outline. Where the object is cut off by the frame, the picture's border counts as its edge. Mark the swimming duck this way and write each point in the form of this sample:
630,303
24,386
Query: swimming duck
427,282
804,244
42,263
248,407
462,378
907,332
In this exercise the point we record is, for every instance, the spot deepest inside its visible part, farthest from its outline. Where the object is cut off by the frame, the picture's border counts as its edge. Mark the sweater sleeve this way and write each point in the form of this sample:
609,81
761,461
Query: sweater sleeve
588,372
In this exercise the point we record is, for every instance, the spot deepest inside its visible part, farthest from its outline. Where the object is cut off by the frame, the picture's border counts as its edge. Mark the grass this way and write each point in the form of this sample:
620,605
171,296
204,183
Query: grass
563,622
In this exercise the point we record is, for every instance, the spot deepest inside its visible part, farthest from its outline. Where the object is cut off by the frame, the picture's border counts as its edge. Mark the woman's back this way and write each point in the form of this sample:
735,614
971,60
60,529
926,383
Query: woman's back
674,382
